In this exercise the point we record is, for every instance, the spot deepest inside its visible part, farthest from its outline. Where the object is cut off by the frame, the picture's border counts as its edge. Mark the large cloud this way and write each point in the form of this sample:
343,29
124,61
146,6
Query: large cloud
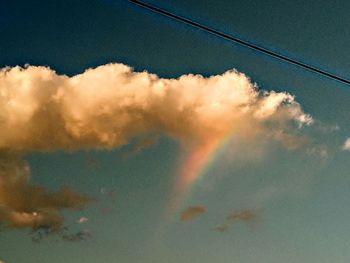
106,107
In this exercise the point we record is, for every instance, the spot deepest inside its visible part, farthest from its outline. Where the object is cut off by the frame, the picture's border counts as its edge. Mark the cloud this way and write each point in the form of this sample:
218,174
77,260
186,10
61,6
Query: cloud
76,237
318,150
111,105
82,220
23,205
248,216
140,146
192,213
346,145
222,228
107,106
63,234
324,128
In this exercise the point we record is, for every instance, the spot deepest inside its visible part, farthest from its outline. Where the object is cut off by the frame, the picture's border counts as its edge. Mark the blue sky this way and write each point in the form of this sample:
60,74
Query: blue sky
296,189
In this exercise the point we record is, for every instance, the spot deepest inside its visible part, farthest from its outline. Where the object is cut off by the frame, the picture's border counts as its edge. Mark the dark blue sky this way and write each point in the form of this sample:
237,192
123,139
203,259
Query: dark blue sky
302,199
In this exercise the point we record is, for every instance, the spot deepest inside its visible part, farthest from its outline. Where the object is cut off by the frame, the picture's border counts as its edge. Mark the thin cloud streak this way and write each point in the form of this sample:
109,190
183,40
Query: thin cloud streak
247,216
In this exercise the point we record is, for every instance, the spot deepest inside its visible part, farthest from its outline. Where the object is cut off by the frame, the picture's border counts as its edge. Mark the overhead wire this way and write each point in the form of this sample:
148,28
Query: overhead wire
240,41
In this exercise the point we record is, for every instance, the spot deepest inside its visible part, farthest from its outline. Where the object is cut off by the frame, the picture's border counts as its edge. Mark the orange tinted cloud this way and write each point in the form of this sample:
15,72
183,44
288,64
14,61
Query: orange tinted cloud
192,213
23,205
107,107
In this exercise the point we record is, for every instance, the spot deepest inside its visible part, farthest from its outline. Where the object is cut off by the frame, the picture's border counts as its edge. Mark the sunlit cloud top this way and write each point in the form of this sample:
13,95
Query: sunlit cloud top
106,106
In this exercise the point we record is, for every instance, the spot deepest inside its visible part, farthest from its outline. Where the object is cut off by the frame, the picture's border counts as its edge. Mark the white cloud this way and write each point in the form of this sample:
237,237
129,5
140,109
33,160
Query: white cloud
107,106
82,220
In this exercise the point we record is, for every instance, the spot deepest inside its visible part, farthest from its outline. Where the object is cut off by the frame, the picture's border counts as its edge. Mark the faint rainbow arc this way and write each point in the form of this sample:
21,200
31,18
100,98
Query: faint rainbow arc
198,161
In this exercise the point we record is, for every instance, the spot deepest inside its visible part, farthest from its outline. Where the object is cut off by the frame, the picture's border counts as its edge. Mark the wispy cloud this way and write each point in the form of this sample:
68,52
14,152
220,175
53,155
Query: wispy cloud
346,145
63,234
248,216
223,228
320,150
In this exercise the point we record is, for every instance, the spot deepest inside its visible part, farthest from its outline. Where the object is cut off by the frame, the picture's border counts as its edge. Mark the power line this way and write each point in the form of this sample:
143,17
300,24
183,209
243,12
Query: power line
240,41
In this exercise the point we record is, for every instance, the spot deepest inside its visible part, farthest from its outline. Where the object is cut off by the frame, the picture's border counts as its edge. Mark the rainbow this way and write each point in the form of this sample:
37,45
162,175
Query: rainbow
196,163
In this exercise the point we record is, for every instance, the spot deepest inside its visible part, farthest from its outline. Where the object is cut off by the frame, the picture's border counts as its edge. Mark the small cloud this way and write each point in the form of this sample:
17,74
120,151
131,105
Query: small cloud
102,190
141,145
290,141
63,234
326,128
192,213
223,228
247,216
346,146
82,220
334,128
320,151
76,237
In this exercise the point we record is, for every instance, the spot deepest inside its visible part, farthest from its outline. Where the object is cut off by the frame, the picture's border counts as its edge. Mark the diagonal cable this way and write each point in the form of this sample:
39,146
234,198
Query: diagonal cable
240,41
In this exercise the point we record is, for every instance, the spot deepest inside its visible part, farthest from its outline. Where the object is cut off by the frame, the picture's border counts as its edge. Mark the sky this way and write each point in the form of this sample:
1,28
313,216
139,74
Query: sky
126,136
